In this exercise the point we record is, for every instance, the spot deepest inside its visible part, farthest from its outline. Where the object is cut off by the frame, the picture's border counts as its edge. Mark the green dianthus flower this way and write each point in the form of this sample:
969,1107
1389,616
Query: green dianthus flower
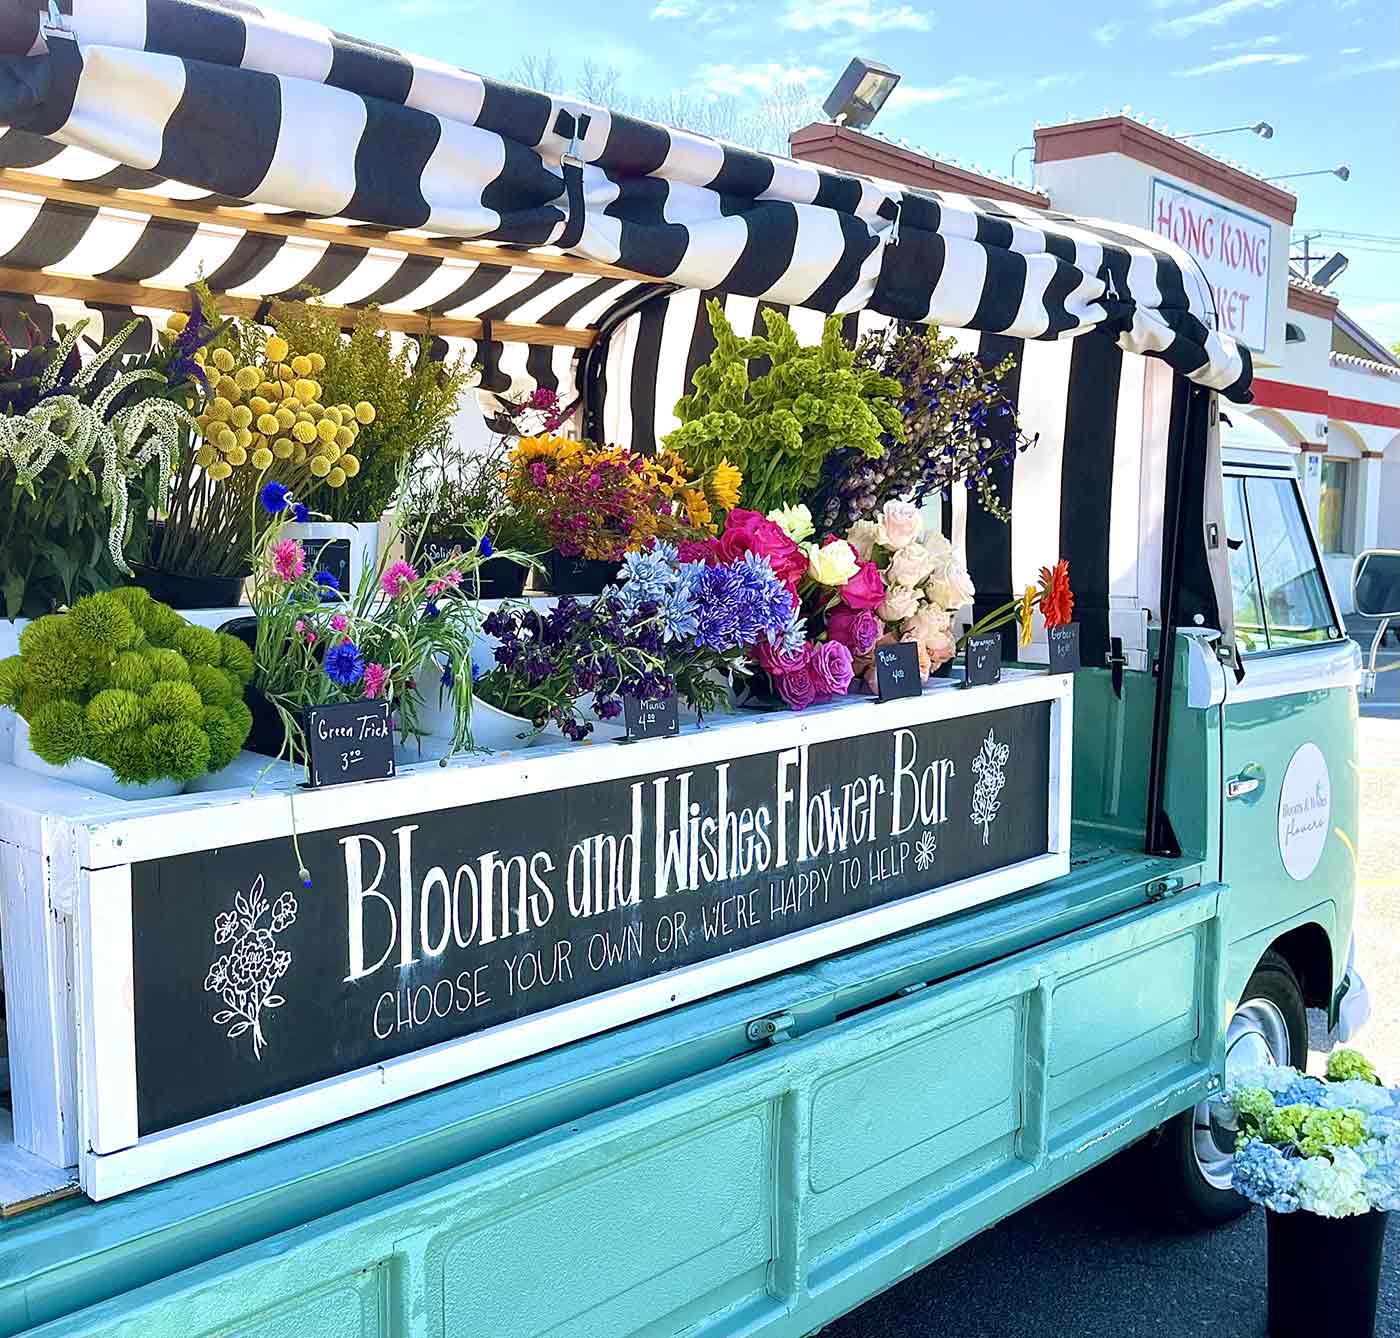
198,644
136,601
11,680
58,732
216,687
52,660
236,657
131,670
224,740
179,749
169,700
163,624
101,625
242,718
113,711
130,757
168,665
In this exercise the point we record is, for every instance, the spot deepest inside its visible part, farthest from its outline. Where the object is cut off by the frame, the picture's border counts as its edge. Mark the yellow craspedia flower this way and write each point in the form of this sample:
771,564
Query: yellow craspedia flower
223,359
284,448
205,456
364,412
306,391
305,433
722,487
299,455
225,439
301,365
220,469
285,418
228,388
177,322
243,438
335,415
320,466
318,363
285,373
350,464
275,350
344,438
332,452
241,417
268,425
336,478
259,405
326,430
199,356
317,411
261,458
219,409
271,391
248,378
237,457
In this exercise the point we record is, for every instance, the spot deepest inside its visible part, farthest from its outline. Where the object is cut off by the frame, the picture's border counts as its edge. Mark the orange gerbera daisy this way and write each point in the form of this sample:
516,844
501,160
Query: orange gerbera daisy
1056,598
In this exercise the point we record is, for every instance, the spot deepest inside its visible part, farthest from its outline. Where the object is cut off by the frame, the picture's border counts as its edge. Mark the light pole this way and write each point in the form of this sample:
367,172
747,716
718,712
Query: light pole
1261,128
1025,148
1342,173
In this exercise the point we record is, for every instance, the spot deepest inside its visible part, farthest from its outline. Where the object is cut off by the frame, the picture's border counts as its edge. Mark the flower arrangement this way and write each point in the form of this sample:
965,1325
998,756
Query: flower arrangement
779,428
925,584
76,440
1053,597
959,428
124,681
415,396
318,645
1329,1147
262,417
602,502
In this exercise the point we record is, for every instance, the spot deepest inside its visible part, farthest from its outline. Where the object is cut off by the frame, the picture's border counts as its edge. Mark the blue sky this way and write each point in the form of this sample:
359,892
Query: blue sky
979,75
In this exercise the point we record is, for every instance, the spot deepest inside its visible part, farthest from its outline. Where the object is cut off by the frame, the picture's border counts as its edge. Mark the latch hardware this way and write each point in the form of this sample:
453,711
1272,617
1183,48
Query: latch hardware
772,1029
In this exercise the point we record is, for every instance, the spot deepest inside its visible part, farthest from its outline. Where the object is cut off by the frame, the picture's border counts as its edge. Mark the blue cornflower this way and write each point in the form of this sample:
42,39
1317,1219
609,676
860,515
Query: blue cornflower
430,609
344,664
273,497
328,580
301,513
486,547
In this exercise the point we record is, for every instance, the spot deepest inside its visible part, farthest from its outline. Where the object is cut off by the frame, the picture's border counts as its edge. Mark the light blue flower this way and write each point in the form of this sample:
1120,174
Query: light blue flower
1266,1177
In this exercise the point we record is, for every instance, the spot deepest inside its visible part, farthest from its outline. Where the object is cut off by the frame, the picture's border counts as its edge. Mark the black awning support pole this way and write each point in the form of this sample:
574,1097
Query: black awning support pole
595,356
1188,430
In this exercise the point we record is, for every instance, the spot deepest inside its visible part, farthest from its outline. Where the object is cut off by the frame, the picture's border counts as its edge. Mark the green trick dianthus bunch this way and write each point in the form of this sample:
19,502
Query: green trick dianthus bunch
124,680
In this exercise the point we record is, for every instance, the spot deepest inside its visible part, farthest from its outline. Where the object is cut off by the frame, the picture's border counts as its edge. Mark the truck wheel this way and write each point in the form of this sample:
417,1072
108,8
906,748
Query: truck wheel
1192,1152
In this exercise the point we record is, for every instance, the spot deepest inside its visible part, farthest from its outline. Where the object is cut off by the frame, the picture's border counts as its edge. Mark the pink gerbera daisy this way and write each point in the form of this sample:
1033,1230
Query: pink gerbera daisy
289,559
396,576
376,675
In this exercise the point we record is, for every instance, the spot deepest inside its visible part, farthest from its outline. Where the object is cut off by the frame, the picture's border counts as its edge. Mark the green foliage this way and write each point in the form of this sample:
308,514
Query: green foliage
106,681
460,498
778,428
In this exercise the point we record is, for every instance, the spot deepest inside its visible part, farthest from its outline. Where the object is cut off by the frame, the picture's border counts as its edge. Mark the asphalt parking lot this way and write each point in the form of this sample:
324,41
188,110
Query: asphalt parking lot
1091,1261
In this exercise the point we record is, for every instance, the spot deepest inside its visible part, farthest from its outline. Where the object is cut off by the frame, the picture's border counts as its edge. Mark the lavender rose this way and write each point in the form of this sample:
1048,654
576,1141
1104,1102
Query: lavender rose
831,668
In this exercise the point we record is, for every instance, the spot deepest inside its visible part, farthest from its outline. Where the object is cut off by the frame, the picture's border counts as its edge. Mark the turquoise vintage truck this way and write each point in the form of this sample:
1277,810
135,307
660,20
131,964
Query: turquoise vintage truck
757,1137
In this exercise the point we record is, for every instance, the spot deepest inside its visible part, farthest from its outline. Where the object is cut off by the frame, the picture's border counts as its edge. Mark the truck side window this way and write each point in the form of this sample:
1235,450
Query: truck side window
1250,632
1297,611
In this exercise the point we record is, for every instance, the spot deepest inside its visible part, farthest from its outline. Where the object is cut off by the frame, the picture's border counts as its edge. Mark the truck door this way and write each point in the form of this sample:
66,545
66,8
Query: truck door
1288,835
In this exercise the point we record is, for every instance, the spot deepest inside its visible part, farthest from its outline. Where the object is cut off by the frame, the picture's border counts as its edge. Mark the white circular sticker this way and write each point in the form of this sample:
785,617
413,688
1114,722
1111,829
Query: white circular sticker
1304,811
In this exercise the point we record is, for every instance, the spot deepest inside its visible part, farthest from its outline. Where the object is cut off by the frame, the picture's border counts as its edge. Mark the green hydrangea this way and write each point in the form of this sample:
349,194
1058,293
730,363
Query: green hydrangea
1253,1105
1314,1130
123,680
1342,1065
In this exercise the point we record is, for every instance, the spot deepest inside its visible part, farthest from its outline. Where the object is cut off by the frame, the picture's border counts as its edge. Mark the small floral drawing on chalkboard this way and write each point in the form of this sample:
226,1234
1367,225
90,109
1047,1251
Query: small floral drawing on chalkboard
989,766
245,977
924,851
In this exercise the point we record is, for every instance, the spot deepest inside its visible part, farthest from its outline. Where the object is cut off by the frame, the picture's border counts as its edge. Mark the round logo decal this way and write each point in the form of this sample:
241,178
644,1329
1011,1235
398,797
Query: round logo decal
1304,811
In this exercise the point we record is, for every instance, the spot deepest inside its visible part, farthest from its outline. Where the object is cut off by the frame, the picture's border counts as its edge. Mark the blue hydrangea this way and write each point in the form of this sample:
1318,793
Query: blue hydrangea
1303,1091
1266,1177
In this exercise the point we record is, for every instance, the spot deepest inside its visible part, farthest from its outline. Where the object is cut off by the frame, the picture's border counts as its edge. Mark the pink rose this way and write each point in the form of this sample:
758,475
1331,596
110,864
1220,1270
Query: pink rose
911,564
776,661
940,648
901,523
751,532
831,668
798,688
866,589
862,536
856,629
900,602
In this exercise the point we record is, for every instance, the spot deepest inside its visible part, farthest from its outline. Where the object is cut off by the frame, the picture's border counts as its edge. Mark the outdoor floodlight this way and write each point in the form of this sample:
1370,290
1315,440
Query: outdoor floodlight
860,93
1331,270
1342,173
1261,128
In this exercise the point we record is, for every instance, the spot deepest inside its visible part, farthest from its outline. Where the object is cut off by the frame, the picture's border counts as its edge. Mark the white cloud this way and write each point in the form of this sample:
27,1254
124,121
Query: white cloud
1240,62
1351,51
867,16
907,96
1370,67
1186,25
1022,90
671,9
1107,33
727,80
1251,44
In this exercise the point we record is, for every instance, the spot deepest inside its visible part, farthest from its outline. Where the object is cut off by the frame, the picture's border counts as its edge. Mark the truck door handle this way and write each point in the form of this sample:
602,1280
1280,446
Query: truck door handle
1249,782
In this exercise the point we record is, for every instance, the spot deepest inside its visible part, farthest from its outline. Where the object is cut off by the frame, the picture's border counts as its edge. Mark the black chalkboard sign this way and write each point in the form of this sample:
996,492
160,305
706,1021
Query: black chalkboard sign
897,671
1063,642
982,657
350,741
652,718
332,555
426,927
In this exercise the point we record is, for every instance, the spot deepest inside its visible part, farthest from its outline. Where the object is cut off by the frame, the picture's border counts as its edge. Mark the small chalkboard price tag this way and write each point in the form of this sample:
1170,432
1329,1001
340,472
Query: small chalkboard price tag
351,741
1064,648
331,555
651,717
982,657
897,671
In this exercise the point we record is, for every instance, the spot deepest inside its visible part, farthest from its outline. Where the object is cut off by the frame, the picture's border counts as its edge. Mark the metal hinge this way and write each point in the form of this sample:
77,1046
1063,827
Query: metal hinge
1161,888
773,1029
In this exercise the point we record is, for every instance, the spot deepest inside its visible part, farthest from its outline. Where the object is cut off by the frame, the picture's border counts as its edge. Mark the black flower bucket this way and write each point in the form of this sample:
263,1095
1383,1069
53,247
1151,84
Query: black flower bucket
182,591
578,575
1324,1274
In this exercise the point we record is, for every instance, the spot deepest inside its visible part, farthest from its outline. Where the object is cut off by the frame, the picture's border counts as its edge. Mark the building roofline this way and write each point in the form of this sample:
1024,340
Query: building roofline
1367,340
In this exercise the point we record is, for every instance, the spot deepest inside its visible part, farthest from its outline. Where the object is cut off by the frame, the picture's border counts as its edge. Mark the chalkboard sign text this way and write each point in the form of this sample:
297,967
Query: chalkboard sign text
652,718
351,741
983,659
897,671
1064,648
330,555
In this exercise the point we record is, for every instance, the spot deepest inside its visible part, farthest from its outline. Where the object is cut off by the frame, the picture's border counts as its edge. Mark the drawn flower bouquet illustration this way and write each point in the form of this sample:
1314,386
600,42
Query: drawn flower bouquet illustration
989,766
245,977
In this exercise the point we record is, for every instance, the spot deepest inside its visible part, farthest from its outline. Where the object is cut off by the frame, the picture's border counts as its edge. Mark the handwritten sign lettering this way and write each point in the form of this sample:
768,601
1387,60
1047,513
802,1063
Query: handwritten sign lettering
654,718
330,555
1063,643
430,926
983,659
351,741
897,671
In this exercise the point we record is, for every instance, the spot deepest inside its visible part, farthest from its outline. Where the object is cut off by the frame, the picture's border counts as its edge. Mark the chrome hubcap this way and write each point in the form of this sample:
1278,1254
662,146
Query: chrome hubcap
1257,1038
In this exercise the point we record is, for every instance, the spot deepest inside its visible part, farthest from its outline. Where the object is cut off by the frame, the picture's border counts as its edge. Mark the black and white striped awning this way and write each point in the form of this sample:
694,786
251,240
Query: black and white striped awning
135,98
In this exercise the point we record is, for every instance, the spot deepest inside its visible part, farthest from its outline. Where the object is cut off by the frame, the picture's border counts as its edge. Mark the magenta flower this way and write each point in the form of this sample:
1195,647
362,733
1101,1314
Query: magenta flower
339,622
289,559
398,575
376,675
454,578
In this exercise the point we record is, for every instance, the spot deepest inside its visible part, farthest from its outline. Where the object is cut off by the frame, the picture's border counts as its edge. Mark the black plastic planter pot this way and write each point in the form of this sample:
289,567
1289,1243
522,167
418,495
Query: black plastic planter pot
1324,1274
577,575
189,592
268,735
500,578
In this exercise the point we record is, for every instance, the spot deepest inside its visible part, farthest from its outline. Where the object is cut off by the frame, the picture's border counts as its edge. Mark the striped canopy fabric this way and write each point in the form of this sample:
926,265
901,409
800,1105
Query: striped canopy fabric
330,127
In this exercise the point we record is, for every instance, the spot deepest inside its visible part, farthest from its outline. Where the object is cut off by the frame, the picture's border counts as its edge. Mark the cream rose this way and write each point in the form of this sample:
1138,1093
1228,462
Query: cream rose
949,586
911,565
901,524
833,564
929,621
794,521
862,537
901,602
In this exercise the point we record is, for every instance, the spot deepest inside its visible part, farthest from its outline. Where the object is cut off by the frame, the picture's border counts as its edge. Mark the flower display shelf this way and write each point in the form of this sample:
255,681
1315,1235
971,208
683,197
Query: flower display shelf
465,915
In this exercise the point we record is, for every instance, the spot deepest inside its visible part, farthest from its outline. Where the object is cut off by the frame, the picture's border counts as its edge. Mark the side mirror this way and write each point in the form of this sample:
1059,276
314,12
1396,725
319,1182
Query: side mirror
1375,583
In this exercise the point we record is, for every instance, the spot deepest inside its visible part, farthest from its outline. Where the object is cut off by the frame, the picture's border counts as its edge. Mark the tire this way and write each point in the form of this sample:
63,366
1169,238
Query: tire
1189,1155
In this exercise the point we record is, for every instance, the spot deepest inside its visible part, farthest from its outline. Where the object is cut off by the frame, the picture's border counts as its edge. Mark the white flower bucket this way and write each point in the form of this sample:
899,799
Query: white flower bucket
341,548
84,773
501,732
